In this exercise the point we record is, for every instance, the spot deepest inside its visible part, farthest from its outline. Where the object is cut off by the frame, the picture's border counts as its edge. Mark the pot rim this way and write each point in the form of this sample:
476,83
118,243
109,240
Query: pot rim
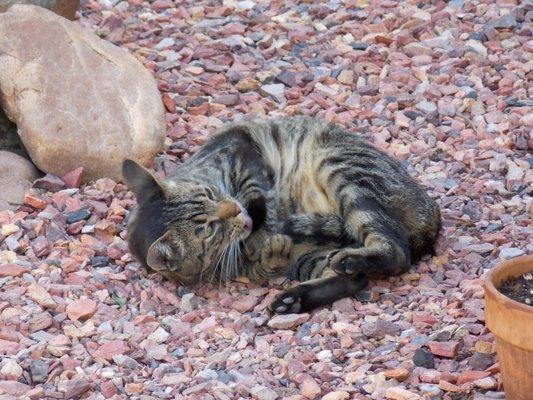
500,297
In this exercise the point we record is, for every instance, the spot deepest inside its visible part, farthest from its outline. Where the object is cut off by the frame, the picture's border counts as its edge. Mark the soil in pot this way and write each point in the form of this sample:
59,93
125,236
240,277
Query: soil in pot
519,288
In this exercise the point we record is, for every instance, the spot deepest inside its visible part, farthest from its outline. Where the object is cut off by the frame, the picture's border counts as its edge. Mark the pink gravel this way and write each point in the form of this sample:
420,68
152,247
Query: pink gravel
442,86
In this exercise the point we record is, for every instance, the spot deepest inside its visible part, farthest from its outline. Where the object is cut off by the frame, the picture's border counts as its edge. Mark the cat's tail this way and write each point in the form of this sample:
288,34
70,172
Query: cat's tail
316,228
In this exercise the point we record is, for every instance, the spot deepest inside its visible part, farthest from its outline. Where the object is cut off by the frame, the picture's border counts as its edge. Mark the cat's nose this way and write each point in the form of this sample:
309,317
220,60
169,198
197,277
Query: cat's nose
228,209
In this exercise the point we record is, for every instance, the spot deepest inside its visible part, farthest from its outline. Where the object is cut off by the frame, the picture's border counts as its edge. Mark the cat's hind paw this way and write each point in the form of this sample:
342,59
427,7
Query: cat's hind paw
349,264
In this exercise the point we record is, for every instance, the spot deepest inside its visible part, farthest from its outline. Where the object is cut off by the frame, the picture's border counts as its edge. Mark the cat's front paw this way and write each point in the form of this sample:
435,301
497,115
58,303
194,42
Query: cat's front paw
290,301
276,253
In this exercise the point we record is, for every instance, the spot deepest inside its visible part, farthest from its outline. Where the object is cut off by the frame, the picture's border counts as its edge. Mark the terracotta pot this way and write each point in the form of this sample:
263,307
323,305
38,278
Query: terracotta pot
511,323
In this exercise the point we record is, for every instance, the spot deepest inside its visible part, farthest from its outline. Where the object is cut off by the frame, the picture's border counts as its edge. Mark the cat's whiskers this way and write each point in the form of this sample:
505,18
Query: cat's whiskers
219,263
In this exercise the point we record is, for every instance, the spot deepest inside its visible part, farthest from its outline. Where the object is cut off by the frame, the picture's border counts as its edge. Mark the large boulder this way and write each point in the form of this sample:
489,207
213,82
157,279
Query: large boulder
65,8
76,99
16,177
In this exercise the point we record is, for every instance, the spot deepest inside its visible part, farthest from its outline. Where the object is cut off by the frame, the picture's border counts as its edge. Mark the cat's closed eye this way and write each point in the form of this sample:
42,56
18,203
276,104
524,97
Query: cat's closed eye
209,230
206,231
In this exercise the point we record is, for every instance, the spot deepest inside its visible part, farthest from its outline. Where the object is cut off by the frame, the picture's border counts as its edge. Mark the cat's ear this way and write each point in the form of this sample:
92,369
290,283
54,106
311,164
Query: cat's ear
162,253
139,180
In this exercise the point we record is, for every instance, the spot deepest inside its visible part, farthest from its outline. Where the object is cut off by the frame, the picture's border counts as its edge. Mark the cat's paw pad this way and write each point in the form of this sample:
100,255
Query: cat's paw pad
277,252
288,302
349,264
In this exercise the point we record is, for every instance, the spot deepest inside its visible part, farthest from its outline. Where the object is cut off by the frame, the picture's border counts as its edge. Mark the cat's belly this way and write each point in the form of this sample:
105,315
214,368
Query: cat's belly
301,249
309,195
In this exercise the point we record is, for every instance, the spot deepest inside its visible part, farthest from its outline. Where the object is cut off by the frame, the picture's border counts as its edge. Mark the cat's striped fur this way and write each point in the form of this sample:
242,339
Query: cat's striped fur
327,208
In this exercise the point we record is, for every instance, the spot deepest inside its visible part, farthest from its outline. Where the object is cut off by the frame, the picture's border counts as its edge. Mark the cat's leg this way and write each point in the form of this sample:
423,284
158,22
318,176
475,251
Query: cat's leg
268,255
374,243
322,286
316,228
385,247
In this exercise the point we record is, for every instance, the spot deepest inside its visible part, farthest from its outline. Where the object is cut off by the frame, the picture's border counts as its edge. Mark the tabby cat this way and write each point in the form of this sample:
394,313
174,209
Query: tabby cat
298,197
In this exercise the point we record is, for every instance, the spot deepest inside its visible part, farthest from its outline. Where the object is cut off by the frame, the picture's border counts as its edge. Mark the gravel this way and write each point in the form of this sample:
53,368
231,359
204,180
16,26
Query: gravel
443,87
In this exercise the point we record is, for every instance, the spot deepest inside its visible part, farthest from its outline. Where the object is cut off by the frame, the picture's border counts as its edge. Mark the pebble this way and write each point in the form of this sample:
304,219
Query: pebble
245,303
477,47
400,374
81,309
481,248
287,321
263,393
430,85
11,369
12,270
480,361
337,395
444,349
432,390
398,393
39,294
78,215
39,370
426,107
486,383
380,328
424,358
165,42
159,335
449,387
274,90
510,252
111,349
346,77
186,303
310,388
76,387
50,183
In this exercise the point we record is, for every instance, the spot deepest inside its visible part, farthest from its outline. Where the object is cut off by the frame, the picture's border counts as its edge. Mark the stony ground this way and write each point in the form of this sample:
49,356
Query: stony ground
442,86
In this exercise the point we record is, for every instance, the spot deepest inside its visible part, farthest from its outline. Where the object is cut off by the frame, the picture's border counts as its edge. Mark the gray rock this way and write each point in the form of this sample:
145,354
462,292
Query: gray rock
126,361
380,328
480,248
287,77
424,358
246,5
120,114
420,340
510,252
430,389
359,45
480,361
282,349
505,22
274,90
477,47
49,182
166,42
263,393
426,107
39,371
78,215
207,374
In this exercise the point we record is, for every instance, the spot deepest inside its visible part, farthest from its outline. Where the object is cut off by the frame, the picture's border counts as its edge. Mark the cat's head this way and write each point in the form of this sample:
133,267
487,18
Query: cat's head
181,228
